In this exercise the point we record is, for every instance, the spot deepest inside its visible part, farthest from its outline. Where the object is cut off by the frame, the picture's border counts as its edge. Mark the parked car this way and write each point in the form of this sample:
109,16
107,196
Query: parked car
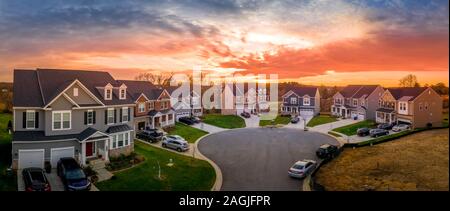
175,142
186,120
151,135
327,151
72,175
35,180
401,127
302,168
378,132
385,126
245,114
295,119
195,119
363,131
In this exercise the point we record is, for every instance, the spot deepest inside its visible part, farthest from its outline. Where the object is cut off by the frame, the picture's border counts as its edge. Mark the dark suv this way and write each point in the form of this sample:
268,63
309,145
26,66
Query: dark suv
151,135
35,180
327,151
72,175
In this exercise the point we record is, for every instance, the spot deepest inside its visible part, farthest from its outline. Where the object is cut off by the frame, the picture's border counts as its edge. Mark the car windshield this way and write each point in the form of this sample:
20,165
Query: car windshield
75,174
298,166
37,176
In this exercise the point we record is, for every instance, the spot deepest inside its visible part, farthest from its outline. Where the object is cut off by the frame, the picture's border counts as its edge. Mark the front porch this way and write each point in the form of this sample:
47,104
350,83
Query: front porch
293,110
161,119
342,111
94,148
385,116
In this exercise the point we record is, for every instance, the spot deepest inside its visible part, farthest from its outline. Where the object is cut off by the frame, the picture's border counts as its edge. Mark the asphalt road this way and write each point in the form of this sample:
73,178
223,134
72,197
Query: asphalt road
257,159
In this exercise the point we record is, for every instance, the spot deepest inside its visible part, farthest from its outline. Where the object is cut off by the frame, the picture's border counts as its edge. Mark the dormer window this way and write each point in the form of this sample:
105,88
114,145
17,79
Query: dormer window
306,101
123,92
108,92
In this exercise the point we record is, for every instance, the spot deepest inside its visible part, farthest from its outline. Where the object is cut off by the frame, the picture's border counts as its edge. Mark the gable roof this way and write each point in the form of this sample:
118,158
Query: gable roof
406,93
136,88
303,90
357,91
36,88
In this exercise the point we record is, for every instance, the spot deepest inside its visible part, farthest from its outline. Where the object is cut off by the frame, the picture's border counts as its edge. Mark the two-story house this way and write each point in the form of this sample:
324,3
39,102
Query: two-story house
357,101
185,105
153,107
303,101
69,113
417,106
244,98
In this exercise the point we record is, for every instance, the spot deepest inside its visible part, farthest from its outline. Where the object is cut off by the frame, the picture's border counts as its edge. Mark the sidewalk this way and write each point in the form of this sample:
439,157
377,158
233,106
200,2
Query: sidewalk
208,128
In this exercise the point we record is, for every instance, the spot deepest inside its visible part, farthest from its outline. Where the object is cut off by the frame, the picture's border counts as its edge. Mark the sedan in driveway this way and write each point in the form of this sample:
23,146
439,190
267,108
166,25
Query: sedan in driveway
385,126
175,142
186,120
302,168
150,135
401,127
363,131
378,132
245,114
72,175
295,120
327,151
35,180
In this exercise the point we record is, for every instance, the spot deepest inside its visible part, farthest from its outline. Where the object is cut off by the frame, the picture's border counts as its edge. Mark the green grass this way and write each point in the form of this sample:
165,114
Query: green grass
224,121
320,120
350,130
283,120
334,134
187,132
187,174
6,183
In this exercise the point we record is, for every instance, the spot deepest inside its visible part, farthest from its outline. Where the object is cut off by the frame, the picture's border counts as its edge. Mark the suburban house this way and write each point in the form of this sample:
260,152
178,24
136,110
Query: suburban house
417,106
357,101
87,115
245,98
303,101
189,105
152,105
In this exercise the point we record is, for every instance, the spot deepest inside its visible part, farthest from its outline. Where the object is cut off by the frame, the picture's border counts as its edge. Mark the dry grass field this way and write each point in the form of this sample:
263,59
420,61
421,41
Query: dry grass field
417,162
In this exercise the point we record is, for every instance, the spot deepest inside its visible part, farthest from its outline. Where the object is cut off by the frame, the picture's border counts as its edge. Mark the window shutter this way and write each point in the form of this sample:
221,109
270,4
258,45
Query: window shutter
115,115
129,112
24,120
106,116
85,117
120,115
36,120
94,115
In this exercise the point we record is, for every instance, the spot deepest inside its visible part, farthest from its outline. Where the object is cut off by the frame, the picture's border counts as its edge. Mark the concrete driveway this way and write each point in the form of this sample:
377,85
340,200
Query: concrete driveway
55,182
251,122
301,124
208,128
330,126
257,159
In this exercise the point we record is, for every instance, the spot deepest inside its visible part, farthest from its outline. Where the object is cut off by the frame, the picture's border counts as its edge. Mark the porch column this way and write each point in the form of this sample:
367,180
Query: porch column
106,155
153,122
173,118
83,153
167,119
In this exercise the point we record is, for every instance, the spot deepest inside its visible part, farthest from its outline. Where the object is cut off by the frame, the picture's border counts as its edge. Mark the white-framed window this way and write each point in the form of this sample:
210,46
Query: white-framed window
125,117
61,120
306,101
426,106
110,116
31,119
141,107
420,107
151,105
120,140
90,117
355,102
75,92
108,93
293,100
123,93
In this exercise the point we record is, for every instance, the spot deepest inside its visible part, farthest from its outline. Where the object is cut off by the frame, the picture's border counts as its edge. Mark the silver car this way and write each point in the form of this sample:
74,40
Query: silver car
175,142
302,168
401,127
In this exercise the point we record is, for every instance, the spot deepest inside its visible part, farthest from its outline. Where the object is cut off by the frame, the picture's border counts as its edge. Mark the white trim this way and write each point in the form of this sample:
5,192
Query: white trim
62,119
87,117
34,119
94,151
75,92
70,100
70,85
309,100
107,116
142,94
164,91
30,150
37,142
290,93
124,91
60,148
98,132
126,111
22,108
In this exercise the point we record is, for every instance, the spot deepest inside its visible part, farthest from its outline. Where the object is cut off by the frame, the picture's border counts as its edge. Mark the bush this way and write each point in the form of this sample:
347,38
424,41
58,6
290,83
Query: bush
89,171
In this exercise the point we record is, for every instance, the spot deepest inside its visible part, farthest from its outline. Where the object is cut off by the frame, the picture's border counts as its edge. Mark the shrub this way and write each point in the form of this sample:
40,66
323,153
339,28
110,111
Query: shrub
89,171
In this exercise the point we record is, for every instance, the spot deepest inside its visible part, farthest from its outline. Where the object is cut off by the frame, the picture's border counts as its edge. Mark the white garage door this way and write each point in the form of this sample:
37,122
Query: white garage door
306,113
31,158
361,116
182,114
57,153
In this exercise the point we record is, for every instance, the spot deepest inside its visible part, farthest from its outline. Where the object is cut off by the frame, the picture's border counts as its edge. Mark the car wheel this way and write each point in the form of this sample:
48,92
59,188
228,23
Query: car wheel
164,145
179,149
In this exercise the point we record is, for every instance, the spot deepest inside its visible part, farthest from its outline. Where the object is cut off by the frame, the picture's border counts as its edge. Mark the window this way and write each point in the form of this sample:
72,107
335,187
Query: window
31,119
151,105
306,101
108,93
125,114
75,92
362,103
180,98
114,141
420,107
90,117
120,140
355,102
62,120
293,100
127,141
141,107
123,94
426,106
110,116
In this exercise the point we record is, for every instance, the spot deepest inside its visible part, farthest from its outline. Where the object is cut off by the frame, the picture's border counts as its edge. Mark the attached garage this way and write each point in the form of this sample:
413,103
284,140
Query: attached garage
57,153
361,116
182,114
306,112
31,158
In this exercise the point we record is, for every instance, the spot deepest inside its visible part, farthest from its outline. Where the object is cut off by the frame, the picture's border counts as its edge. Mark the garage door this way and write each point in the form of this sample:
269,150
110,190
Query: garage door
308,112
361,116
31,158
182,114
57,153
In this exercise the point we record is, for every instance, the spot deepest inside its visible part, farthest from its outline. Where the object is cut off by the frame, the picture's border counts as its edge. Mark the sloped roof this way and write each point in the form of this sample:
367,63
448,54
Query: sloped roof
357,91
303,90
406,93
136,88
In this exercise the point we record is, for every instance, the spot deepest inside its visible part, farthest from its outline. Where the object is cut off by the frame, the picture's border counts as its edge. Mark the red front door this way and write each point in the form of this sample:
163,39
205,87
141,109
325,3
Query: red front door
89,149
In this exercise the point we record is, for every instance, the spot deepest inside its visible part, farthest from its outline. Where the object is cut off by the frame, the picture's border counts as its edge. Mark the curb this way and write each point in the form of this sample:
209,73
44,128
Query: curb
219,178
306,184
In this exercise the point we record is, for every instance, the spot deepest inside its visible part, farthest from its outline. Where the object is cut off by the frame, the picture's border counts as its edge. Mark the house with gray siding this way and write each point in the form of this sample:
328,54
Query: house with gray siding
303,101
357,101
87,115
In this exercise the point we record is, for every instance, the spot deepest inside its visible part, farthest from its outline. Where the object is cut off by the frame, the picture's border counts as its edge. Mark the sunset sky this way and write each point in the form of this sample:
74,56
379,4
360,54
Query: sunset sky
311,42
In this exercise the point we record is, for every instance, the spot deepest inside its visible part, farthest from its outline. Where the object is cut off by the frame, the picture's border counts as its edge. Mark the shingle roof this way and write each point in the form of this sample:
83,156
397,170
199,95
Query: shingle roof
385,110
301,91
410,92
357,91
118,128
37,136
136,88
26,89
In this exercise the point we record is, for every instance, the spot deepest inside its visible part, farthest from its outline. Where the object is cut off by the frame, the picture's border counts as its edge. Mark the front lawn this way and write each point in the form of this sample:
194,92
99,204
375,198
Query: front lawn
350,130
283,120
186,173
187,132
7,183
320,120
224,121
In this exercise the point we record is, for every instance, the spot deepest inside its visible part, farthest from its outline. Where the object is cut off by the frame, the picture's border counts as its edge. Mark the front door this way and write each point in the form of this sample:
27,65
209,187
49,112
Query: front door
141,125
90,149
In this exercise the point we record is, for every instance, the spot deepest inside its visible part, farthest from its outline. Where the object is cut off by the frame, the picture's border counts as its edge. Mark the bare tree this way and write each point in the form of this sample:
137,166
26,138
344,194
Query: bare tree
409,81
162,79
